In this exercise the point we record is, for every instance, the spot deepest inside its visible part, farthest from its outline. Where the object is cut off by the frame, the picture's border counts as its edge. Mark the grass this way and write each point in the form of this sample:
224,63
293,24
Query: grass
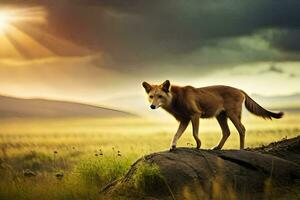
149,179
102,170
75,158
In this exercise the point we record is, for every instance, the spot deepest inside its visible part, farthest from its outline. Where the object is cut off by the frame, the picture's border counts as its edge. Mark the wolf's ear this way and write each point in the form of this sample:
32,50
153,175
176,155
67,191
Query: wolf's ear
147,86
166,86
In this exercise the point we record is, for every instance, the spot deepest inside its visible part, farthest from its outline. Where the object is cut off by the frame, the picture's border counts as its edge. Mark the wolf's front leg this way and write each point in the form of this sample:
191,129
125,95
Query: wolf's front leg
179,132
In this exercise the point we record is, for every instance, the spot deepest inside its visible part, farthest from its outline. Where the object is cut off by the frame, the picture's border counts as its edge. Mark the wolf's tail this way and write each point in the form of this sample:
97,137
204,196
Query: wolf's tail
257,110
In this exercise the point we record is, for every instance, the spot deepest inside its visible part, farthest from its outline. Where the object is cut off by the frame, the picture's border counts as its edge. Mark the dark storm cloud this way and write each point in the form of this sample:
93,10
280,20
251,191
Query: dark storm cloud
163,34
287,40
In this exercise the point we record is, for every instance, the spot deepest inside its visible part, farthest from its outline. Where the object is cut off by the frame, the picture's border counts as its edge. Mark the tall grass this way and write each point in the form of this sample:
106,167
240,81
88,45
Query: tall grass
75,158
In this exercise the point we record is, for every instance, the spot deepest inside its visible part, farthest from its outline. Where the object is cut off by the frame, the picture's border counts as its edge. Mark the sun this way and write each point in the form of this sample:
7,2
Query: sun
6,18
9,17
24,34
14,41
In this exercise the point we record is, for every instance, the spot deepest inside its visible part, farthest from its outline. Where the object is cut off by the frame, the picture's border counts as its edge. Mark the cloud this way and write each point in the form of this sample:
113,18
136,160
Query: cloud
286,40
178,37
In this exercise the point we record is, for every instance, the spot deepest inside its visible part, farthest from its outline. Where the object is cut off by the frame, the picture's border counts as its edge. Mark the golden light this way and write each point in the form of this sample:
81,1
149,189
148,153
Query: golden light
5,19
24,35
9,17
14,42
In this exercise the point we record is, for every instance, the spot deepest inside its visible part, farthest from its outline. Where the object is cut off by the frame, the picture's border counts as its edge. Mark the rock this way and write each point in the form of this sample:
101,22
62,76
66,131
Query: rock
187,173
288,149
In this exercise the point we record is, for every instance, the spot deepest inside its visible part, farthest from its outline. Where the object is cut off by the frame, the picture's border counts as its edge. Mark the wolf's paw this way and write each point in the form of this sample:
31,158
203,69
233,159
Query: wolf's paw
196,148
173,147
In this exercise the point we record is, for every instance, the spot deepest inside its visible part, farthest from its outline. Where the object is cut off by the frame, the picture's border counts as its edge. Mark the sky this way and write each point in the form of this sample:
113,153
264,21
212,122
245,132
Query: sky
99,51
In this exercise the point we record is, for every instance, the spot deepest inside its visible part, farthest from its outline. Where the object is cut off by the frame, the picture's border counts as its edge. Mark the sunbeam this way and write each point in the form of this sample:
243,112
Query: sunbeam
23,34
7,49
11,16
26,45
59,46
14,42
5,19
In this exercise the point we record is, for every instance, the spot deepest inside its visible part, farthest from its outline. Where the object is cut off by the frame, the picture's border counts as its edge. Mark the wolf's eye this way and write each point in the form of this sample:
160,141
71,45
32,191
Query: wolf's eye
151,96
160,96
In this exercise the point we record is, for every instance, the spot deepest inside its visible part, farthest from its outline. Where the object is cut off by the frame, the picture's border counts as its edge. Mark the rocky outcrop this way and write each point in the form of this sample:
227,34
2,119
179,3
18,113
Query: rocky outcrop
267,172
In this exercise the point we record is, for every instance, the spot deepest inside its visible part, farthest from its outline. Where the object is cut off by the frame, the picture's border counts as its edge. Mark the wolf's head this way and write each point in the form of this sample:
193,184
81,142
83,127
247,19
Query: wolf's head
158,95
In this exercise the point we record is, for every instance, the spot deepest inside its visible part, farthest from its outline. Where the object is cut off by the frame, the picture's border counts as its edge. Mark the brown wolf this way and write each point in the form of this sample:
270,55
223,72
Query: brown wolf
189,104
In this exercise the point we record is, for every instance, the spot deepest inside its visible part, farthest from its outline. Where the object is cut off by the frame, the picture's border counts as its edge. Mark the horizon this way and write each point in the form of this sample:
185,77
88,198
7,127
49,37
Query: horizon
142,109
107,99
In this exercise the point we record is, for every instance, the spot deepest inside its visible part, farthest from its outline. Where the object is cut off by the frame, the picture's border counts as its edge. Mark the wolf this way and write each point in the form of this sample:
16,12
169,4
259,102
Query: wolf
189,104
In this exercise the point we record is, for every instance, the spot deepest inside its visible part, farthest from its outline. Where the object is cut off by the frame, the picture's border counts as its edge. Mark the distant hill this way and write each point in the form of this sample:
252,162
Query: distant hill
18,107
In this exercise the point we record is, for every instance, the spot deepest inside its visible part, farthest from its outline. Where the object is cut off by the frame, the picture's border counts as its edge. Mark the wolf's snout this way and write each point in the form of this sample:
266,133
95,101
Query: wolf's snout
152,106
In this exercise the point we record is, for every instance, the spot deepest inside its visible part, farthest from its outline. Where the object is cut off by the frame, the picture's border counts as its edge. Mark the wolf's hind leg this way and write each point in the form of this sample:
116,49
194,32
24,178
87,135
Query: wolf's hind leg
195,123
222,120
236,120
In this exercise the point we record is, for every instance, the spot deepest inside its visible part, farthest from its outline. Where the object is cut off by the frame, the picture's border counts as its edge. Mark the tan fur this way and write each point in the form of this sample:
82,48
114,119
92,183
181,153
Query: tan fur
189,104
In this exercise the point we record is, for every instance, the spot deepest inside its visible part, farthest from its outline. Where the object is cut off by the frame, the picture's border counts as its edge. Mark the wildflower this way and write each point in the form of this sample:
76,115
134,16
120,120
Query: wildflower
119,153
59,175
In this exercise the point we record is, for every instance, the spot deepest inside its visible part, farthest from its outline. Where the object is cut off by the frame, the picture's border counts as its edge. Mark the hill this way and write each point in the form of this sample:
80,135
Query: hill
19,107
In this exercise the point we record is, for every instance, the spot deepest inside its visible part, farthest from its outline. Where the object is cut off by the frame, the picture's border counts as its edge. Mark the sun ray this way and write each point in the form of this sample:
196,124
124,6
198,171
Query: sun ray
7,49
23,34
14,41
33,14
57,45
26,45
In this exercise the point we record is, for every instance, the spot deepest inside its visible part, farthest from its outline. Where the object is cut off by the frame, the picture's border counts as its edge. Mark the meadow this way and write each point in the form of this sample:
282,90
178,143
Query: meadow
75,158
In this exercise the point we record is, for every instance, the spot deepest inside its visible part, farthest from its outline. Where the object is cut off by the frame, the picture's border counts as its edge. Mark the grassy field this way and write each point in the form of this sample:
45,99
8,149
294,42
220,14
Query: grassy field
75,158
